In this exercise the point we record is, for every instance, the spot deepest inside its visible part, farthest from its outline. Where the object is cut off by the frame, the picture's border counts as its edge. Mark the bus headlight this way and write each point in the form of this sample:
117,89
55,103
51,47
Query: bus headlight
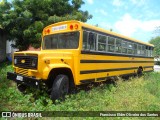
15,61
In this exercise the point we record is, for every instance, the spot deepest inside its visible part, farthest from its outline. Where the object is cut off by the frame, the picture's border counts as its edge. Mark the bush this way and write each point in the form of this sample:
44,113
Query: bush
137,94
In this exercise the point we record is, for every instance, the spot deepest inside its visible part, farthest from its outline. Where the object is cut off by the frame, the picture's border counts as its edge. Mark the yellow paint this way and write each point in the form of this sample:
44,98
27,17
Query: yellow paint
51,59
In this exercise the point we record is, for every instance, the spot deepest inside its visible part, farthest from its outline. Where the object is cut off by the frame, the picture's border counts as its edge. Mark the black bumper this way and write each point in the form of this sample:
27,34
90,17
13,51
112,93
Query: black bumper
29,81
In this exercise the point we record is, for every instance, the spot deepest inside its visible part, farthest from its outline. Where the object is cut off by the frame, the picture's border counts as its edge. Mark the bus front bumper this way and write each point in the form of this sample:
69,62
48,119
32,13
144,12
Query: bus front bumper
28,81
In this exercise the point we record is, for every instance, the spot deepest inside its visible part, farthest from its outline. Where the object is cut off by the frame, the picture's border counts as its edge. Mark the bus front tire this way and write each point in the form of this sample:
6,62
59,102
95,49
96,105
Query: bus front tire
22,88
60,87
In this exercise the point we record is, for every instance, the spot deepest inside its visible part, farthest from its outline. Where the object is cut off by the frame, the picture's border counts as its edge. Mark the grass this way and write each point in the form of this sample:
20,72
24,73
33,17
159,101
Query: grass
137,94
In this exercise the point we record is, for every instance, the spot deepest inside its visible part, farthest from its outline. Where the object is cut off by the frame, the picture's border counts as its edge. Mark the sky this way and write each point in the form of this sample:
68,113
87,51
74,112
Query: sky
133,18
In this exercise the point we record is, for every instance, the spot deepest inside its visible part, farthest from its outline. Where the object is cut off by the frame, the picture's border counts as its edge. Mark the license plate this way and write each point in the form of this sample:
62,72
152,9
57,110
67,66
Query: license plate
20,78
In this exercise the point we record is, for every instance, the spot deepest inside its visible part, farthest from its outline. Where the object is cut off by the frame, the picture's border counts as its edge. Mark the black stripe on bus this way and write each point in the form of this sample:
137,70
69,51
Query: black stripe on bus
105,78
148,66
148,71
110,54
102,78
87,80
112,77
113,61
129,74
105,70
110,70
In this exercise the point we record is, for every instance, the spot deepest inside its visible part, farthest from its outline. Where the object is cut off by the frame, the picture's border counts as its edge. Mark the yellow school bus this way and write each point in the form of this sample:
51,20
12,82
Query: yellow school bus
74,53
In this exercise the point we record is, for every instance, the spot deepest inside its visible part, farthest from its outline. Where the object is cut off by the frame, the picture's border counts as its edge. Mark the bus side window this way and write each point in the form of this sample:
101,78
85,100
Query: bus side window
85,40
118,45
111,44
101,43
143,50
124,46
151,51
146,51
135,48
130,48
92,41
139,50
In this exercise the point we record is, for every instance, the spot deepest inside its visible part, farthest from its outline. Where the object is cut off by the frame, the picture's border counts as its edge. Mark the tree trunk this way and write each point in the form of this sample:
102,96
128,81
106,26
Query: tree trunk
2,45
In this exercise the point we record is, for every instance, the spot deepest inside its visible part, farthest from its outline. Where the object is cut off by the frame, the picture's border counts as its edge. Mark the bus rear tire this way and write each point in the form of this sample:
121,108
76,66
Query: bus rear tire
60,87
139,72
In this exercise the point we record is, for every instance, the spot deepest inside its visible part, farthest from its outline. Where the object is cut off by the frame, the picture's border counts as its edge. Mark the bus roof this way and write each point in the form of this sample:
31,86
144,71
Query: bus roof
94,28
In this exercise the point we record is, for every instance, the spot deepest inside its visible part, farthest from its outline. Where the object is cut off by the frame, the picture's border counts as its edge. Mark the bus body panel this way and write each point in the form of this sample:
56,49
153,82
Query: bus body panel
85,65
103,66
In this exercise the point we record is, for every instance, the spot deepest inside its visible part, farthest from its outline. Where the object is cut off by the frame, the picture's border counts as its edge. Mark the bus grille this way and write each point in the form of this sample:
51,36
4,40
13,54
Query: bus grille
22,71
26,62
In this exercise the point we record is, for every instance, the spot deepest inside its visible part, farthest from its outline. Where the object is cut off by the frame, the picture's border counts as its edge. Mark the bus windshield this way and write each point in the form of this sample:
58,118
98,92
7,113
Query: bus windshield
61,41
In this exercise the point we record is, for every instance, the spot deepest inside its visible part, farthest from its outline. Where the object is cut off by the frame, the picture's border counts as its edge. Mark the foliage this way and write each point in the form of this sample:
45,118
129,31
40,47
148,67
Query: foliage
156,42
24,19
4,10
137,94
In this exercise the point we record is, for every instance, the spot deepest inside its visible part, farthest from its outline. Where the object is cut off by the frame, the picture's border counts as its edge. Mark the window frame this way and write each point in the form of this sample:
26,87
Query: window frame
116,51
101,42
136,49
58,35
113,45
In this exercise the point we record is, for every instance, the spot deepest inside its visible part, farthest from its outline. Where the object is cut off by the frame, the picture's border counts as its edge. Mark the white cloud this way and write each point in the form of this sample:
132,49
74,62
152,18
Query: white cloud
150,25
103,12
90,1
117,3
138,2
128,25
105,25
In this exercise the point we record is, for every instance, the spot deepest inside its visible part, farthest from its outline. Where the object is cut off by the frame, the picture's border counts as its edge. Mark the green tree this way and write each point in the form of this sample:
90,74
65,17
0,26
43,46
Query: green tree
156,42
24,20
4,10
